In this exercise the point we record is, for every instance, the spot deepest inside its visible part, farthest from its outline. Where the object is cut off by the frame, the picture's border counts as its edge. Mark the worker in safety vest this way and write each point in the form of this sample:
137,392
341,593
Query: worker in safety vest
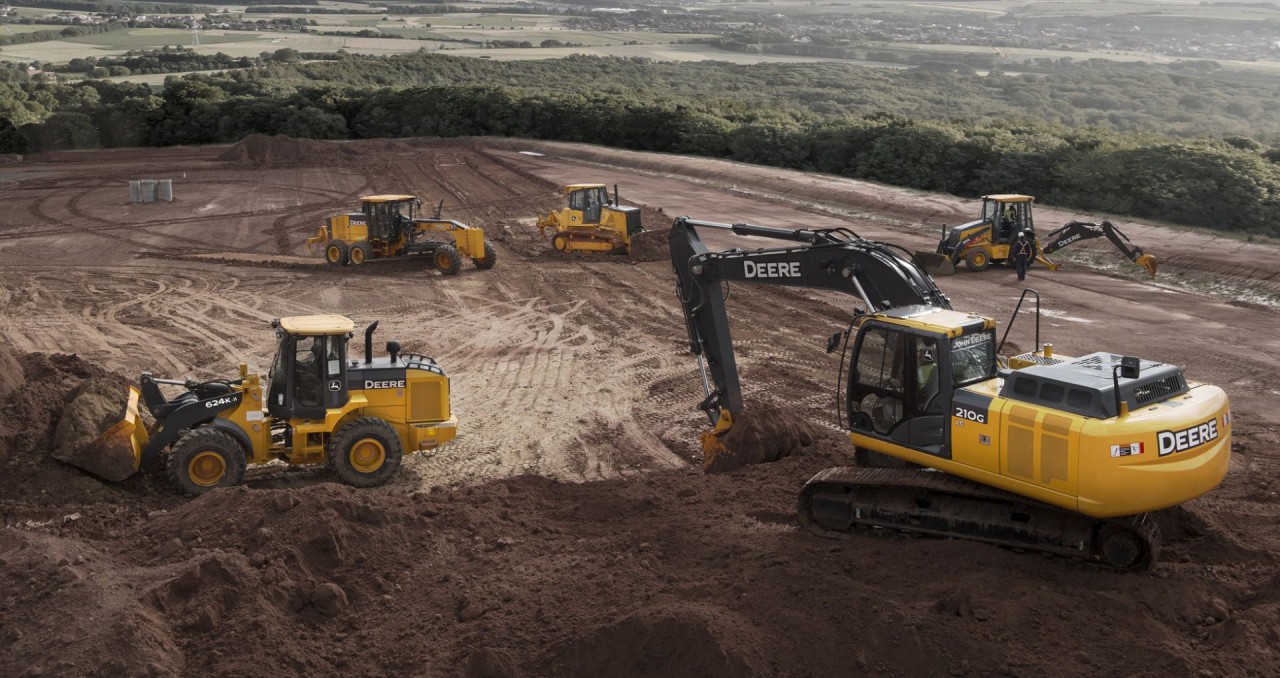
1023,251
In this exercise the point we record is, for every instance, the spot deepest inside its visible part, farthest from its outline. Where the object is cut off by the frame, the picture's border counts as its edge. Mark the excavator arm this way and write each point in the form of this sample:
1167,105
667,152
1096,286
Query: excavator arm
829,259
1076,231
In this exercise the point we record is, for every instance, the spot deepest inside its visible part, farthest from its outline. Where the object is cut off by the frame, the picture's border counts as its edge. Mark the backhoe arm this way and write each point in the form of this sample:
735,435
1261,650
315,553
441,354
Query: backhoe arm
834,259
1076,231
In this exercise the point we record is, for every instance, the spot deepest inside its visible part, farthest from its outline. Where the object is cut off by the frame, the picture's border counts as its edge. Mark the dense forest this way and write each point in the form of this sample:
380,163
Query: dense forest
1192,145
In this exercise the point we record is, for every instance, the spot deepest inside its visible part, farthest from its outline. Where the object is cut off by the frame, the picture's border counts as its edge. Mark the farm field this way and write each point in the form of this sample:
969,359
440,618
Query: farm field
568,530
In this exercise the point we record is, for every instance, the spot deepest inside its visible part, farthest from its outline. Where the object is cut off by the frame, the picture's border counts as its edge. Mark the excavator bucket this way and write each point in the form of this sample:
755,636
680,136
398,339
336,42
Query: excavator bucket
1148,263
934,263
757,436
116,452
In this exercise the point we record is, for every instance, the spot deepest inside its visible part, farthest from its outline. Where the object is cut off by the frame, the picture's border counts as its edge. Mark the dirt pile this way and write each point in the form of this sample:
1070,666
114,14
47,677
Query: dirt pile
260,150
760,434
10,373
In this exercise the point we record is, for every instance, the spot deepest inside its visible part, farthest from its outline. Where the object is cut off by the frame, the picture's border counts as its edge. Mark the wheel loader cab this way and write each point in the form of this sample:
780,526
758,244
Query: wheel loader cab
309,374
906,368
1009,215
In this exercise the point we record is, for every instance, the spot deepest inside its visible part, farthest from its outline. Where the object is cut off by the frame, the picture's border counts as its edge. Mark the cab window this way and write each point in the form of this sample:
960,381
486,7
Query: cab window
973,357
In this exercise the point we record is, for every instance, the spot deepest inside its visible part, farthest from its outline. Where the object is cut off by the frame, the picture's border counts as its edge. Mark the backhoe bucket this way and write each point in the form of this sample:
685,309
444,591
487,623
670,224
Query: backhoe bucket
1148,263
758,436
934,263
116,453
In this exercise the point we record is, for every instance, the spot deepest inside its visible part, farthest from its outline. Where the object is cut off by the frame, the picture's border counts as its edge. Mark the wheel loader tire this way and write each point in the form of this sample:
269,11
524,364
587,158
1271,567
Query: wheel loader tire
336,253
489,259
204,458
560,242
365,452
360,253
977,260
447,260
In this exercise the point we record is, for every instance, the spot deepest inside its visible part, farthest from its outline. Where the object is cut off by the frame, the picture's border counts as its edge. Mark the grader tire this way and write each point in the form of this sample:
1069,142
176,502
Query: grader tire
365,452
489,259
335,253
360,253
204,458
447,260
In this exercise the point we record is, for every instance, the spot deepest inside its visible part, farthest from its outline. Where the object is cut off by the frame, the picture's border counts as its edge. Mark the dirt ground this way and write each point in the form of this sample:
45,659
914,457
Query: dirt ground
569,530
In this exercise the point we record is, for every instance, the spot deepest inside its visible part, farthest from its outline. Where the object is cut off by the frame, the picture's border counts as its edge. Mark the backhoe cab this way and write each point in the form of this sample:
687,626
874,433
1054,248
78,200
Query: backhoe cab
322,407
390,226
591,222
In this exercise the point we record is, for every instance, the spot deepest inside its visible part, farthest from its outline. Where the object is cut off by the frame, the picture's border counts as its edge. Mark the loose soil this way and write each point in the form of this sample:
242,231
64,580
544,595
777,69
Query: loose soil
569,530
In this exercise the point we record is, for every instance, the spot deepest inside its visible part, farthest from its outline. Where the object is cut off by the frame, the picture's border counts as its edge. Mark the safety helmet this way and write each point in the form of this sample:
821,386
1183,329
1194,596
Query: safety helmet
1024,234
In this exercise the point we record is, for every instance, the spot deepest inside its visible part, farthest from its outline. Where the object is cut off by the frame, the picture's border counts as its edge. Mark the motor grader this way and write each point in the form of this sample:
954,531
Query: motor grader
591,222
320,407
989,239
387,226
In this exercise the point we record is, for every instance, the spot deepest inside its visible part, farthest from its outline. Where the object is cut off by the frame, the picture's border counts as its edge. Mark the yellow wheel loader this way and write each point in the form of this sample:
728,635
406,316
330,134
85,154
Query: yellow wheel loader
989,239
1040,451
320,407
387,226
591,222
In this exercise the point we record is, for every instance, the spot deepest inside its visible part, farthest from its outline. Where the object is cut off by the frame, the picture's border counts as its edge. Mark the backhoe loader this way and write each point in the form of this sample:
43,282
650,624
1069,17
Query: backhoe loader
1039,451
387,226
989,239
592,222
320,407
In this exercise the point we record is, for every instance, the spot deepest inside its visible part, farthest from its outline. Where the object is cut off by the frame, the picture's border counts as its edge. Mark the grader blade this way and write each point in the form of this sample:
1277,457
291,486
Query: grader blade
116,452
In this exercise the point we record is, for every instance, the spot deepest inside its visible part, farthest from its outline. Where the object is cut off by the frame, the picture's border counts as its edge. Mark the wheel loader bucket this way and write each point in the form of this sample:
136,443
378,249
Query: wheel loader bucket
1148,263
116,453
934,263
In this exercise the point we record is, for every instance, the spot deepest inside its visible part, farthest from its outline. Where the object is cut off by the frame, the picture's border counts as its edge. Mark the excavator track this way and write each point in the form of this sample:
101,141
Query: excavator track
841,500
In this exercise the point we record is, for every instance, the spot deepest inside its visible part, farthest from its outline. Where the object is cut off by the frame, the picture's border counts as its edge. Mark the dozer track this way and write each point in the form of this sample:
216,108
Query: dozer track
840,500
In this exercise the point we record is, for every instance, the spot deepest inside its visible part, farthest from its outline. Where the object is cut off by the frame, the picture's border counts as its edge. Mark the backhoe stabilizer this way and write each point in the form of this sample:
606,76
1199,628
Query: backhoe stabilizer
116,453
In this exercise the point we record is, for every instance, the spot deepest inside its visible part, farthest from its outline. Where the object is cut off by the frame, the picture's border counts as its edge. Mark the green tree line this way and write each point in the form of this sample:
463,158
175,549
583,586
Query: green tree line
1230,182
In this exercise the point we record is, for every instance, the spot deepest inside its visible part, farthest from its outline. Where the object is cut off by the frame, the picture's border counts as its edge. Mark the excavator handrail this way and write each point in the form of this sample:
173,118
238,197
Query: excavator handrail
1014,316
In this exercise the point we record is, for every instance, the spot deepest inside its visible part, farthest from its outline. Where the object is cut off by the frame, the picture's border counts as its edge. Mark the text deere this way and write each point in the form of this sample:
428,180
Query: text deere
1187,438
773,269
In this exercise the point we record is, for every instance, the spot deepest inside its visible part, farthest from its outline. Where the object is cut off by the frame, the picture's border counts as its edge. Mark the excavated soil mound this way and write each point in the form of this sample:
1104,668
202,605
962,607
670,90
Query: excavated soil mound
10,373
760,434
260,150
98,405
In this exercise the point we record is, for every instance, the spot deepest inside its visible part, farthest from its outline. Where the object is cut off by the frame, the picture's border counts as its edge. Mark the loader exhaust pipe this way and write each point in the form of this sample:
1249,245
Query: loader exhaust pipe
368,342
616,201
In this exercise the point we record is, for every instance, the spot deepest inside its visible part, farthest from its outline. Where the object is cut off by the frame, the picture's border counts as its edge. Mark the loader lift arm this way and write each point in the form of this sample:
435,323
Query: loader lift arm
831,259
1075,231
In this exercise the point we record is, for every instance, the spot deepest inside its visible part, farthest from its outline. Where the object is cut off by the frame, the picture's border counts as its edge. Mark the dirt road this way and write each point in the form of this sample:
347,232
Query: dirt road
565,531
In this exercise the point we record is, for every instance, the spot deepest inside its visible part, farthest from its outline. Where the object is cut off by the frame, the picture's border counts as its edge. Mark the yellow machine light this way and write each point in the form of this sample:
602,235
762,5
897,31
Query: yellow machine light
317,324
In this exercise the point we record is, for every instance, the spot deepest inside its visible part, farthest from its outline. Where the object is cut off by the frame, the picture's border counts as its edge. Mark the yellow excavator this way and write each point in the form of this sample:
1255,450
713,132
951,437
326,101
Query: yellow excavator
591,222
387,226
321,407
1065,455
989,239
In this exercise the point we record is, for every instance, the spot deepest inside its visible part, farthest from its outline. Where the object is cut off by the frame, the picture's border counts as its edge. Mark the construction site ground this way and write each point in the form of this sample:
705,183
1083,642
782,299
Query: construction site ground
569,530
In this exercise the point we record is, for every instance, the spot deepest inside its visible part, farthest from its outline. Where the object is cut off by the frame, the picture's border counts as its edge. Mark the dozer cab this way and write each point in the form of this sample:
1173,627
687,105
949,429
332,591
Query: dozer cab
1038,451
989,239
320,407
591,222
388,226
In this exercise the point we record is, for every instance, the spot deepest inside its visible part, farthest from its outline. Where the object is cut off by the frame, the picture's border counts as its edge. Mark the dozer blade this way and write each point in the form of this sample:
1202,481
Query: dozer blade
759,435
116,453
1148,263
934,263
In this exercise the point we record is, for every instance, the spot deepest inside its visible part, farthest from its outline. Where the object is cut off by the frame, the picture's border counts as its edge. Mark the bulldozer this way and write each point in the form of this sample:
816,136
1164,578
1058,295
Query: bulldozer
321,407
1038,451
988,239
388,226
591,222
